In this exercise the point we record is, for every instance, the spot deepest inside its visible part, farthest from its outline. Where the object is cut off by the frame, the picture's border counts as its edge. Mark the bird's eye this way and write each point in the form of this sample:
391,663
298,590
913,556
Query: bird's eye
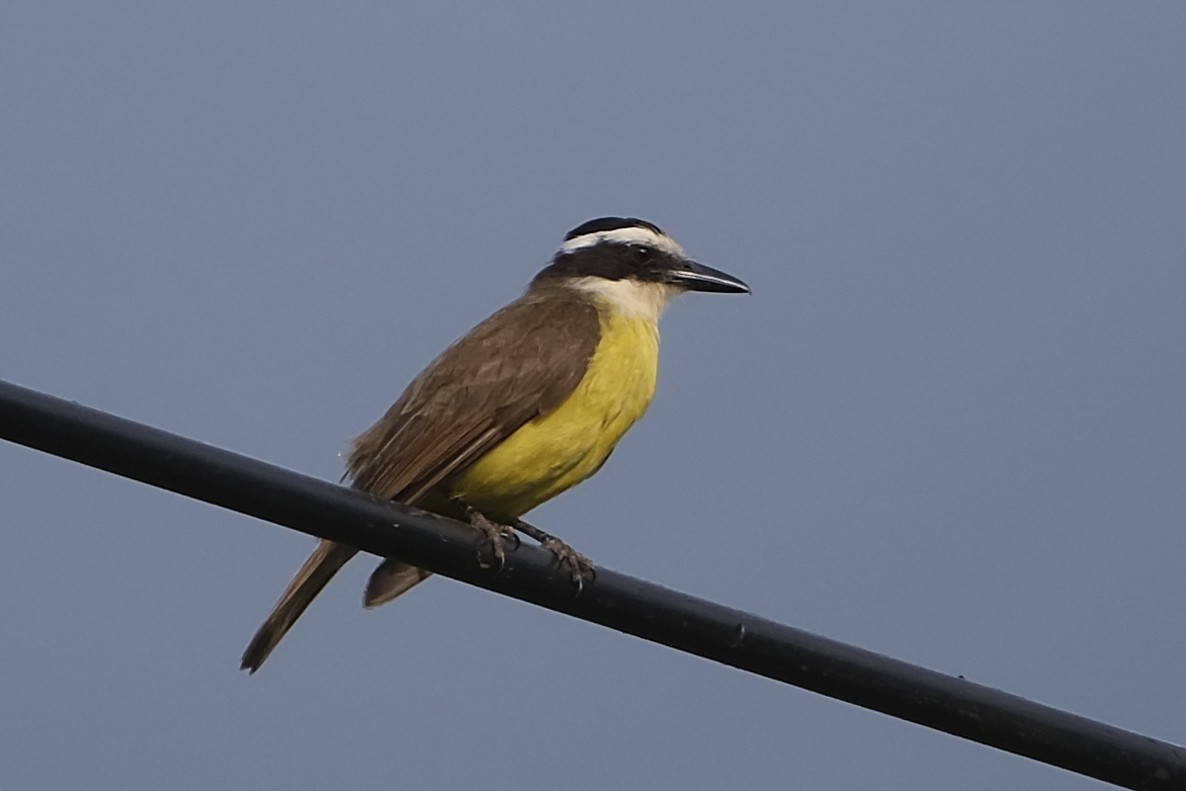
641,252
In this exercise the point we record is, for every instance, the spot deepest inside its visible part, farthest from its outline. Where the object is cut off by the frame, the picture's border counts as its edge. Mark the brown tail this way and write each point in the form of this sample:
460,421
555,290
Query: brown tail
391,579
318,570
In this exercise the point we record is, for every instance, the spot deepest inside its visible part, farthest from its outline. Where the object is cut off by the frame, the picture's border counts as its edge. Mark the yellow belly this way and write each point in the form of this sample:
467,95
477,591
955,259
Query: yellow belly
564,447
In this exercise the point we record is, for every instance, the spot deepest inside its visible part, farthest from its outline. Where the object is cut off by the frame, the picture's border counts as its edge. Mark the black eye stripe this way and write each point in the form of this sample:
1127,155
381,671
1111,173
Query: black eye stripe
611,260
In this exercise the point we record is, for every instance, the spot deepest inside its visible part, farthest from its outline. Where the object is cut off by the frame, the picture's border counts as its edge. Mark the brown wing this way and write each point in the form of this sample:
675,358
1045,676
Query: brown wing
516,365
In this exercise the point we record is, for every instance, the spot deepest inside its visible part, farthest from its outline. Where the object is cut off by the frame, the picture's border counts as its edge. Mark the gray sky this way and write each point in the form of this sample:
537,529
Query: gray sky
947,426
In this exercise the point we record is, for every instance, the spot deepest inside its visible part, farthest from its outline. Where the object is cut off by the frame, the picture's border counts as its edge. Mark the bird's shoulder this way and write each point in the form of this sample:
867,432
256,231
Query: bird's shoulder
537,347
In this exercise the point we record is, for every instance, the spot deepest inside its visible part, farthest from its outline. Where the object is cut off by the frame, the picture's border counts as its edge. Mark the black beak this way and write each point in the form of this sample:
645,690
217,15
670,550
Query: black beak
692,276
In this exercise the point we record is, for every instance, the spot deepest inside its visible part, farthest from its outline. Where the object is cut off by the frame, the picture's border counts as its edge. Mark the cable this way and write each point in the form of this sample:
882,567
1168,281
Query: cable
732,637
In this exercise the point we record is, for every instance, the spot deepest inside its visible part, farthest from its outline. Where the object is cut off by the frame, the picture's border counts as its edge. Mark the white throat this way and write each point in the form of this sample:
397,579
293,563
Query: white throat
634,299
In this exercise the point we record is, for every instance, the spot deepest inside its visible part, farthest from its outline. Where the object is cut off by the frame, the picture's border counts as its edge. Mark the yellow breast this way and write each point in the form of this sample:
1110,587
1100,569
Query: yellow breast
564,447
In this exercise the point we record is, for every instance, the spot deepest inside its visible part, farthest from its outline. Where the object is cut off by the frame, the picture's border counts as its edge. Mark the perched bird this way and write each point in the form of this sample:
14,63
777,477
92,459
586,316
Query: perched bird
529,403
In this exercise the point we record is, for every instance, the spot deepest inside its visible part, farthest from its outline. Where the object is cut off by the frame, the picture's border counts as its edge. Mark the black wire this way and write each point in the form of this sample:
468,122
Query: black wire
629,605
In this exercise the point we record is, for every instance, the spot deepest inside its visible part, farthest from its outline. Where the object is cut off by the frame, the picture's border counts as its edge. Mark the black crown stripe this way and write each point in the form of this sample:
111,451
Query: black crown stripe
602,224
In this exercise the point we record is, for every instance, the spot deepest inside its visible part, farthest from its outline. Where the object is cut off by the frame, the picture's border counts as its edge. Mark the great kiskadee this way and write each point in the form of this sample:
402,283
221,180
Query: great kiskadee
529,403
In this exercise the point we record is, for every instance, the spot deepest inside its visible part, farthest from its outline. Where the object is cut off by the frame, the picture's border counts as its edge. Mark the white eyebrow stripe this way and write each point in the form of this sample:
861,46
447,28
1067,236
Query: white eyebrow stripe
632,235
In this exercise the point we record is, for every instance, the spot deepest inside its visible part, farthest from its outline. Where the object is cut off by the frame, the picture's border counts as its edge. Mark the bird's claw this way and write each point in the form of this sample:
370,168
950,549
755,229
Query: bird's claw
492,550
578,565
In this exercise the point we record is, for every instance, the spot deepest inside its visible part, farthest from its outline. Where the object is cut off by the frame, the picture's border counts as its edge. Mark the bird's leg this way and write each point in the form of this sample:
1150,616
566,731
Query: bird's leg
496,536
579,565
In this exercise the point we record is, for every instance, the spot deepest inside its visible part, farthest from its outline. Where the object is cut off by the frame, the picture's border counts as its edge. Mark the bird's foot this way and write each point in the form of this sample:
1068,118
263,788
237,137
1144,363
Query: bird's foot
577,564
492,551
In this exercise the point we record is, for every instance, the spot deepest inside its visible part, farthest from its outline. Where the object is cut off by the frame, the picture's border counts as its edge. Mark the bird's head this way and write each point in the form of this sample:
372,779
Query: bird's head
632,264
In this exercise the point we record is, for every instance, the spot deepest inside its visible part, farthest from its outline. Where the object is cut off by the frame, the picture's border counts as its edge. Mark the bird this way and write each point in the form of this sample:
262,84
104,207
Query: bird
527,404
